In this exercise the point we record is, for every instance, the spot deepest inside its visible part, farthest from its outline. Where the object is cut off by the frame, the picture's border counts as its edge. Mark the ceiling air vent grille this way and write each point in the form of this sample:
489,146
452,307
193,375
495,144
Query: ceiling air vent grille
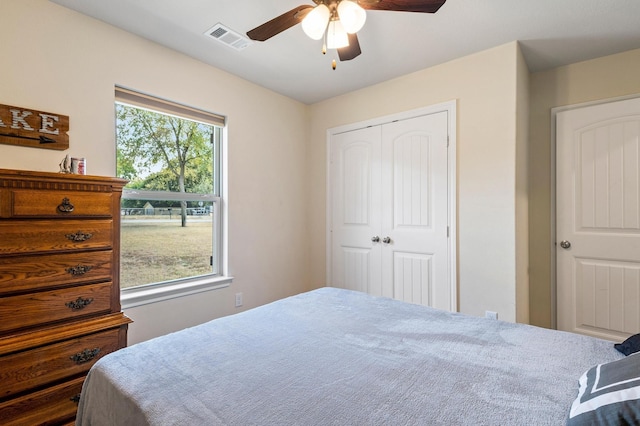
228,37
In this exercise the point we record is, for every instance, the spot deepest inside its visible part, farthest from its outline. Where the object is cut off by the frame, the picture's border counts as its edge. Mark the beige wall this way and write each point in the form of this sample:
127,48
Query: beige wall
56,60
522,191
484,86
594,80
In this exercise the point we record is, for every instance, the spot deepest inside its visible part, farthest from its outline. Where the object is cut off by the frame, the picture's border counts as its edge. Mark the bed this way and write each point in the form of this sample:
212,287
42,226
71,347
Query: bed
338,357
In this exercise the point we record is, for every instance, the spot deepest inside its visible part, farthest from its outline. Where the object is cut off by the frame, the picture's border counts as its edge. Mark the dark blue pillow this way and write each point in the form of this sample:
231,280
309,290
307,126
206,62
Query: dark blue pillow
609,394
629,346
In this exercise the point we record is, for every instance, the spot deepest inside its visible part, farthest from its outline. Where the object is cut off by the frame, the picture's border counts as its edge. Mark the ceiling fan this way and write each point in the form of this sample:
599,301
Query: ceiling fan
337,21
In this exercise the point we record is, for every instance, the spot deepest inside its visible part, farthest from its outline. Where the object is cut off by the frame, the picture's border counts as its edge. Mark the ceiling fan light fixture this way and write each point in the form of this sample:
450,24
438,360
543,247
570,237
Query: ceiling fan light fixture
352,16
336,35
315,23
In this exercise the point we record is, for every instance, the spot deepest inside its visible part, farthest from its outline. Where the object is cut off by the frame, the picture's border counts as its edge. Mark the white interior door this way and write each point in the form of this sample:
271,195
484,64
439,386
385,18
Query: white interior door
356,213
598,219
414,218
389,216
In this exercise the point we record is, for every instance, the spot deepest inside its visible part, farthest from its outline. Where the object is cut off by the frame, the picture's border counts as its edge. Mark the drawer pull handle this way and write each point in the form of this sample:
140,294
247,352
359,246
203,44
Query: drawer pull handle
85,356
79,303
78,270
65,206
79,236
75,398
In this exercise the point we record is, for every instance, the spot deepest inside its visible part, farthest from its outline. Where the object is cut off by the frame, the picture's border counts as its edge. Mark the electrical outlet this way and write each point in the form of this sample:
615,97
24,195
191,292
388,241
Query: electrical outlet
491,315
238,300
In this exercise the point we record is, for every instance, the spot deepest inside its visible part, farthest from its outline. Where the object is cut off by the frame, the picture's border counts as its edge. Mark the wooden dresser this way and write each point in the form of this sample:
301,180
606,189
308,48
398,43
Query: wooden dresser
59,290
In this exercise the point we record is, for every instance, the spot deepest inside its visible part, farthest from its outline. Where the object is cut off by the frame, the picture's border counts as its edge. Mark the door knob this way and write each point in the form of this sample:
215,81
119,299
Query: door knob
565,244
375,239
386,240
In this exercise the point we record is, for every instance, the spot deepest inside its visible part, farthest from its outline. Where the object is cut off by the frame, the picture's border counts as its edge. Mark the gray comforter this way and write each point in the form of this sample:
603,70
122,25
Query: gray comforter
336,357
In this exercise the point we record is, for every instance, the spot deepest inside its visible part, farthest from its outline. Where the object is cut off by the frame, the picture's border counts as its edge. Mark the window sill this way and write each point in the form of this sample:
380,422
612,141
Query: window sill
144,295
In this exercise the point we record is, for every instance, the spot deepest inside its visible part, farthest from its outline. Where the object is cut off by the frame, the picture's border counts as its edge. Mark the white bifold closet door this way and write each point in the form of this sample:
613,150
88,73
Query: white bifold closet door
389,192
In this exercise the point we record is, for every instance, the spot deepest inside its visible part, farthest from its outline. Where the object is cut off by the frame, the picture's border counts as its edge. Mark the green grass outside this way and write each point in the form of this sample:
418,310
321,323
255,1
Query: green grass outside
156,251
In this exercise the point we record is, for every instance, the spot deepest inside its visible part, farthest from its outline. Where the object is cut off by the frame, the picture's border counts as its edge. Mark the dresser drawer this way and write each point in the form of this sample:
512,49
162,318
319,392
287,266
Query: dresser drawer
42,203
49,406
37,367
30,273
51,235
47,306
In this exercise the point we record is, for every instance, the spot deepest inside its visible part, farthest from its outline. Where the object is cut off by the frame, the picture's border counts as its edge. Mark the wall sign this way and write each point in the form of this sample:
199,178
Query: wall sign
38,129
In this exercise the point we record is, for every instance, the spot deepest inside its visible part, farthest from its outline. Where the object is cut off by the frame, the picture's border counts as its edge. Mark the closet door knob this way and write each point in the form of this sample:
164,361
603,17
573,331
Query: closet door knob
375,239
386,240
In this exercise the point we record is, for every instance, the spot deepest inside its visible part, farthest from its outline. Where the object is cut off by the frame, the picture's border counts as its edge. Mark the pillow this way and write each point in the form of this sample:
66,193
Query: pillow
629,346
609,394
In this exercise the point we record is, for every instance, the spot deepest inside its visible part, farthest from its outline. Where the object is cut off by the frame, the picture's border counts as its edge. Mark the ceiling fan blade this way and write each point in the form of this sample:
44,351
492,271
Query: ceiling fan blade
279,24
423,6
352,50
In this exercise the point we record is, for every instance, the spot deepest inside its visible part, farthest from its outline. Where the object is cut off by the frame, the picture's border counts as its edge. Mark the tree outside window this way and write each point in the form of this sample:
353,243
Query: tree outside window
170,219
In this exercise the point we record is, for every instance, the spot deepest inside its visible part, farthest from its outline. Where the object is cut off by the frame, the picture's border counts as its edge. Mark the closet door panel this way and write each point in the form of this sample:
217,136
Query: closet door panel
355,171
415,193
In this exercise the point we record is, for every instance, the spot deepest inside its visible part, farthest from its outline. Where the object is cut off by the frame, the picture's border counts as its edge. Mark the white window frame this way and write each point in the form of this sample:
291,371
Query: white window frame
156,292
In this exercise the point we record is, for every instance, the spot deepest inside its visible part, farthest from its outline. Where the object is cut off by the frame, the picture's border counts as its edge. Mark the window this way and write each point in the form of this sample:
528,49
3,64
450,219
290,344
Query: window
171,228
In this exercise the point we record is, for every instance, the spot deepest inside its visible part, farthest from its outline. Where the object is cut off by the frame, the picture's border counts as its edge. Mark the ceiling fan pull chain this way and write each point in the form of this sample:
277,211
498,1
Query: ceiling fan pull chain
324,44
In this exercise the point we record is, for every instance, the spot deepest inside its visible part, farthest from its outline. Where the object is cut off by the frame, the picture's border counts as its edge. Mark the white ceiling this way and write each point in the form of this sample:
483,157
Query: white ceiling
552,33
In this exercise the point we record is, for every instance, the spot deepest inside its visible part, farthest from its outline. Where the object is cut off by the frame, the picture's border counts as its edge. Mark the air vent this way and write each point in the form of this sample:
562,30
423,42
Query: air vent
228,37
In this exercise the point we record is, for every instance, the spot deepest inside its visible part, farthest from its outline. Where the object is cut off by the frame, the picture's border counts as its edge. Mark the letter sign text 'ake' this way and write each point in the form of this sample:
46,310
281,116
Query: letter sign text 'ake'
38,129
